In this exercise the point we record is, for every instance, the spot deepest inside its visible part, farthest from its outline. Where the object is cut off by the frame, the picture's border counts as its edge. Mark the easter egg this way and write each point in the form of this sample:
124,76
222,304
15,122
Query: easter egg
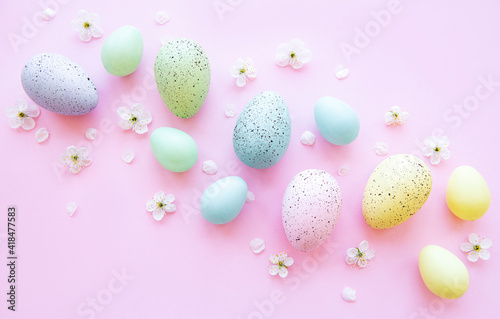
442,272
59,85
121,53
467,194
223,200
262,132
337,122
174,149
182,74
398,187
311,207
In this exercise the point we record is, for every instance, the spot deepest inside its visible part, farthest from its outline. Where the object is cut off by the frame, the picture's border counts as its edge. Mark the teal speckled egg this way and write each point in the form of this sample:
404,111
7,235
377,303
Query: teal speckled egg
337,122
121,53
262,132
182,74
223,200
174,149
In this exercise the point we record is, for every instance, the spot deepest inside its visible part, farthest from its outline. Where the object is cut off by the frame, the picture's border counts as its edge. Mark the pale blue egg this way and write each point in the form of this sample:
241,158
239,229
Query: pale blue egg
262,133
223,200
337,122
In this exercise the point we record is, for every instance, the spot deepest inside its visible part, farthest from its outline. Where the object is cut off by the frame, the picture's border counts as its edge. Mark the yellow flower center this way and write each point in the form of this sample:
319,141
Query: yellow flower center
477,247
242,71
360,254
292,55
161,205
86,25
437,149
21,114
74,158
133,119
281,264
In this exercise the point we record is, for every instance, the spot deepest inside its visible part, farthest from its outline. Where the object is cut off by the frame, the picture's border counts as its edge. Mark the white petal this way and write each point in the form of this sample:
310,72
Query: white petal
170,208
71,208
15,122
307,138
274,259
282,256
64,158
159,197
85,35
83,152
48,14
344,170
486,243
306,55
169,198
41,135
126,124
341,72
162,17
128,155
146,117
429,143
75,168
96,31
369,254
363,246
473,239
473,256
83,14
235,71
282,60
28,123
466,247
381,148
362,263
284,49
158,214
241,81
32,111
389,118
91,133
230,110
151,206
444,141
351,260
12,111
288,261
445,153
484,254
257,245
435,158
403,116
71,150
283,272
21,105
124,113
140,128
77,25
349,294
352,252
250,197
274,269
296,64
85,161
296,45
209,167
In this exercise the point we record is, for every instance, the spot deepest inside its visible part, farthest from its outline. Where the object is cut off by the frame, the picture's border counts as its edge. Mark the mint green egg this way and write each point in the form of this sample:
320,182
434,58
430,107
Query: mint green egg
182,74
337,122
121,53
174,149
223,200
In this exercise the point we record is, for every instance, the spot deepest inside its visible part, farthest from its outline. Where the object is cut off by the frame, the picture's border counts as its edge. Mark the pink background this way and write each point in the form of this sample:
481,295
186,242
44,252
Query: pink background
429,57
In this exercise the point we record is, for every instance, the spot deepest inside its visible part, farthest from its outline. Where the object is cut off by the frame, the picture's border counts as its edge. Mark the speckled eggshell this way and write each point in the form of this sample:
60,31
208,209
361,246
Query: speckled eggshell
311,208
398,187
182,73
59,85
262,132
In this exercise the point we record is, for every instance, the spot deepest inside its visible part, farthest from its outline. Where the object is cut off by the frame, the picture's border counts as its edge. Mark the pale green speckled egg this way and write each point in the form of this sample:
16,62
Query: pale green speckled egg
396,190
182,73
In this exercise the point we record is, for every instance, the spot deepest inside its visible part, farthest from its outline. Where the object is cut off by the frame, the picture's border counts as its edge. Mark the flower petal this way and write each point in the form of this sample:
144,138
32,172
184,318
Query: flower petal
444,141
96,31
274,259
140,128
296,64
85,35
12,111
473,256
435,158
362,263
126,125
151,205
32,111
15,122
351,260
296,45
486,243
21,104
124,113
71,150
445,153
466,247
158,214
282,60
389,118
369,254
274,269
83,152
484,254
170,208
75,168
396,109
283,272
305,56
235,71
169,198
473,239
284,49
352,252
288,261
85,161
363,246
241,81
159,197
28,123
429,143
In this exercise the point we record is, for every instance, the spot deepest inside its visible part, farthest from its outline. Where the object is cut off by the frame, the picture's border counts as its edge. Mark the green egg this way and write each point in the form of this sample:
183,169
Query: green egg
174,149
121,53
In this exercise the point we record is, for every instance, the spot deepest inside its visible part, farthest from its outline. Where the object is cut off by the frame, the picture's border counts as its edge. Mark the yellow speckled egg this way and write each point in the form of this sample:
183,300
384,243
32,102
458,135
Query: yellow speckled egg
442,272
467,194
398,187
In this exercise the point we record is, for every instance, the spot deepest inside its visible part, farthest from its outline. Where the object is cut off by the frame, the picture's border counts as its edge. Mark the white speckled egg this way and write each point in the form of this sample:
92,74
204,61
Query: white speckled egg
262,133
398,187
311,208
59,85
182,74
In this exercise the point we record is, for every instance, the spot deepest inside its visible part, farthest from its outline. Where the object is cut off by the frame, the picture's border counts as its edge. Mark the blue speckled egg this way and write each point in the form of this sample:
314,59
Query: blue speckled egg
59,85
182,74
223,200
262,132
337,122
311,208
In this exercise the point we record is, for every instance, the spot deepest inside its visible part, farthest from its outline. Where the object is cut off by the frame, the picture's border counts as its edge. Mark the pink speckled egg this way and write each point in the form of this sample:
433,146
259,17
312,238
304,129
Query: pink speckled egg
311,208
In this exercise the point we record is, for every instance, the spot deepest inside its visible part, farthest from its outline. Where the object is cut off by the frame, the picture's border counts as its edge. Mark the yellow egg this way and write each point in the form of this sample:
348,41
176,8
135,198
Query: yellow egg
442,272
467,194
396,190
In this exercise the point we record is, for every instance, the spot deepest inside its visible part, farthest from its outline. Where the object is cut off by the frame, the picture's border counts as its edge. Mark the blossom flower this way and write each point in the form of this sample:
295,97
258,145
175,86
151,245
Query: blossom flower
360,255
136,118
87,25
476,248
281,262
160,204
244,71
293,53
22,114
396,116
75,158
436,148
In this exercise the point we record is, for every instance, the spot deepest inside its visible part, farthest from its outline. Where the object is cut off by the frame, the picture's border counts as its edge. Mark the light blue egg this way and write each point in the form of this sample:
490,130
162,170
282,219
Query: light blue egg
337,122
223,200
262,133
